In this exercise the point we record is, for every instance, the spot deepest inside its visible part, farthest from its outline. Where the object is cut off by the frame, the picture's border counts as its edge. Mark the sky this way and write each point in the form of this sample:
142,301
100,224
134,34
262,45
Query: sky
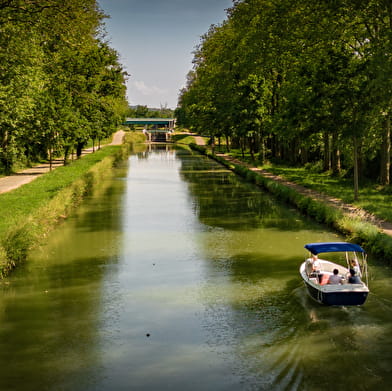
155,40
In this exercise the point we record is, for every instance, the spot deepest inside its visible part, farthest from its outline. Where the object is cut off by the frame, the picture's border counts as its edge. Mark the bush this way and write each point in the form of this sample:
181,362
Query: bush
315,167
35,209
386,190
355,229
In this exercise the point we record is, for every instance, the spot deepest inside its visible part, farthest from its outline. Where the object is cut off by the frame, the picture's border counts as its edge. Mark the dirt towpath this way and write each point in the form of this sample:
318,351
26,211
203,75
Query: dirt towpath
199,140
347,209
18,179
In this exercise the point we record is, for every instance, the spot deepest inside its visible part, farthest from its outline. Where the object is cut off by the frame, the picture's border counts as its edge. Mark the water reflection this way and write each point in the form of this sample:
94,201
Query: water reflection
181,276
49,308
227,201
258,306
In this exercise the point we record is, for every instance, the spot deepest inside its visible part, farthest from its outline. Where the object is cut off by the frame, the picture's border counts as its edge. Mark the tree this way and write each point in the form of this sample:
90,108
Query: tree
60,82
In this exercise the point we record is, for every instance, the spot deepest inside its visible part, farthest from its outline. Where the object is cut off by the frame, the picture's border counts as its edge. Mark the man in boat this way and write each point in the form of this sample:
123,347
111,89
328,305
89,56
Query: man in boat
335,278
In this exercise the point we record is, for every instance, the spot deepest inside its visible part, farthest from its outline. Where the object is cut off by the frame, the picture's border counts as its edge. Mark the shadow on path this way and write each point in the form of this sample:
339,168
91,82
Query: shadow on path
18,179
348,209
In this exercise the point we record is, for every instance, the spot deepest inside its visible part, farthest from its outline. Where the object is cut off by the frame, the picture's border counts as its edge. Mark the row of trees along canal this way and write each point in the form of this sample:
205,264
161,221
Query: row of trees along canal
299,81
141,111
60,82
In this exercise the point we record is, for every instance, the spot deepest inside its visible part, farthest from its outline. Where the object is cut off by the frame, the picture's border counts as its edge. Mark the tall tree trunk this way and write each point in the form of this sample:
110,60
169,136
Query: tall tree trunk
227,143
79,149
303,155
272,145
356,181
50,158
335,155
262,150
242,142
67,149
385,163
294,151
327,151
252,146
4,156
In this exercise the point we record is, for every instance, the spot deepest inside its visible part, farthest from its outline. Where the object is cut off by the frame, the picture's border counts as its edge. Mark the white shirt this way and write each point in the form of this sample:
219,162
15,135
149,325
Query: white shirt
316,264
334,279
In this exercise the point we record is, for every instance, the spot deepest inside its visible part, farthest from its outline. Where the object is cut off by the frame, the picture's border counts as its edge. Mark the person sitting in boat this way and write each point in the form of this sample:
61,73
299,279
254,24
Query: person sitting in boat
354,279
312,265
335,278
355,266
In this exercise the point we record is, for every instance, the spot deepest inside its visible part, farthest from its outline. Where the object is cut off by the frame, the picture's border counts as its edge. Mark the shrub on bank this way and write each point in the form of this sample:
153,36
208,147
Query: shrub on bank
31,211
356,230
134,138
54,196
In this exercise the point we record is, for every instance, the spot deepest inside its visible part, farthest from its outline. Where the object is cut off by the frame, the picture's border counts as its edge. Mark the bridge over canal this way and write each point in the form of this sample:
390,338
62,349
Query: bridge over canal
161,130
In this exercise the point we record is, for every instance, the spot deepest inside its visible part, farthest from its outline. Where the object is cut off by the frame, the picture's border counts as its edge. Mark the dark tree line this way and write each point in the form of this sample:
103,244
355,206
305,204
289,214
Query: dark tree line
61,84
300,81
142,111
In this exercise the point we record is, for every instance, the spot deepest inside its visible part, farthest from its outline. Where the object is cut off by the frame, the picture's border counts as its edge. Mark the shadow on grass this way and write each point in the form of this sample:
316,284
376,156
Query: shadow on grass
179,137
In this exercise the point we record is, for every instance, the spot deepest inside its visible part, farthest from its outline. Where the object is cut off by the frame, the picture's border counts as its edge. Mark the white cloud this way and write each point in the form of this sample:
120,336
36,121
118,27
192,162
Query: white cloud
146,90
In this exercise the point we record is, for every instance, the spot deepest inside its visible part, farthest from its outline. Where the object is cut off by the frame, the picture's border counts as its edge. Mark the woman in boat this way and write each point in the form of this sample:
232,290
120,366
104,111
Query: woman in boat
312,265
354,279
355,266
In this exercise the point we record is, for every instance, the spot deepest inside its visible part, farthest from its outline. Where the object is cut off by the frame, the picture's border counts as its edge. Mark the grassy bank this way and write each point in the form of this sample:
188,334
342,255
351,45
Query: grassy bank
182,138
356,230
373,198
30,212
133,139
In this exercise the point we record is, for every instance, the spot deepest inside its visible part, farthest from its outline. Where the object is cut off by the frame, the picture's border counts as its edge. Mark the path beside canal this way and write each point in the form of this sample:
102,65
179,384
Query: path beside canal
20,178
348,209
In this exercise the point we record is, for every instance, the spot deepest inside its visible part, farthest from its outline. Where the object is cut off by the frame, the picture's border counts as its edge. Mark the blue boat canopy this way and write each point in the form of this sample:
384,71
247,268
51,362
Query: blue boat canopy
330,247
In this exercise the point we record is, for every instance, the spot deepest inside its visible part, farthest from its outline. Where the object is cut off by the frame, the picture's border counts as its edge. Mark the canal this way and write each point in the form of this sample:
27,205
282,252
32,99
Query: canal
178,275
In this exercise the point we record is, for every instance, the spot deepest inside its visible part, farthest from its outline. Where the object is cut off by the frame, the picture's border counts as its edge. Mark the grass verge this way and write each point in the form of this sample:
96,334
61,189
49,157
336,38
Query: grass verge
30,212
354,229
183,138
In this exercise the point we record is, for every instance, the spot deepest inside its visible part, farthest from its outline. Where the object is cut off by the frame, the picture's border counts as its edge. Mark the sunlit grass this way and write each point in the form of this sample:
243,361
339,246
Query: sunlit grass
354,228
30,212
183,138
371,195
27,198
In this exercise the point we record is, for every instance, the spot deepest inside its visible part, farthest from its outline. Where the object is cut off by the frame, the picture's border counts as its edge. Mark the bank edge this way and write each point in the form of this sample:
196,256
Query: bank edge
354,229
55,196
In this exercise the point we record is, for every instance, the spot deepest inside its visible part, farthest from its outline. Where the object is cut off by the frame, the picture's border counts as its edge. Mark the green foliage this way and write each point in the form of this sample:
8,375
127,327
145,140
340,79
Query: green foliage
355,229
133,138
316,167
183,138
60,83
141,111
373,198
30,212
298,82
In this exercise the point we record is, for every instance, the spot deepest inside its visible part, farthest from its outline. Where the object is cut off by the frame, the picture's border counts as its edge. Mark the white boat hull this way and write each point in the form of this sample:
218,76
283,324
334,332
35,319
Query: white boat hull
333,294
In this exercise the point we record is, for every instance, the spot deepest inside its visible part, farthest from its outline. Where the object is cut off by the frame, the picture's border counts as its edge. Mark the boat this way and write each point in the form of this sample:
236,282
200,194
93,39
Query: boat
316,273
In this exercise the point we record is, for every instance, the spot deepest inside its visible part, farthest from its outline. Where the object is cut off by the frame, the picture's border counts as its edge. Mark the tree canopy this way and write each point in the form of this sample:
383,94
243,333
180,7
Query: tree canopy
298,81
142,111
61,83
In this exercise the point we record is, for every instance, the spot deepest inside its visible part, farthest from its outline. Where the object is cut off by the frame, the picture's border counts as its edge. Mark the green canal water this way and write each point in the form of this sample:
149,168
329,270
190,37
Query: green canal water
177,275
